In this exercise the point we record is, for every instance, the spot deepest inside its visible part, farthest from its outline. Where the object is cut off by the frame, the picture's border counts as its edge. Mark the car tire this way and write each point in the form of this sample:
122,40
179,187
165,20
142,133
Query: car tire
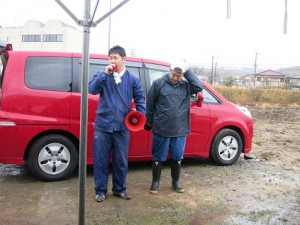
53,158
226,147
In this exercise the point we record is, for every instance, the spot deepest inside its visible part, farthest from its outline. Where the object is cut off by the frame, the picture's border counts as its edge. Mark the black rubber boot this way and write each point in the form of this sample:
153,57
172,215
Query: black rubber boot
175,174
156,172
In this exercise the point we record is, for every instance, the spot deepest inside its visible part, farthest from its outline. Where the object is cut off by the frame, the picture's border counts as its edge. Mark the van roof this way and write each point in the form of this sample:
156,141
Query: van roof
78,55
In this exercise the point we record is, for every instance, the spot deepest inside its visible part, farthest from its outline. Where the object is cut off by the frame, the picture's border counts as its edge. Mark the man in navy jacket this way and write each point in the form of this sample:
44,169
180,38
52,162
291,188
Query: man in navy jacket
117,87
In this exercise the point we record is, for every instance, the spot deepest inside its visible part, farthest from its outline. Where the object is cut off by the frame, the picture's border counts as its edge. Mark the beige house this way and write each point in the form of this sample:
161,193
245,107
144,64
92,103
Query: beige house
52,36
244,81
270,79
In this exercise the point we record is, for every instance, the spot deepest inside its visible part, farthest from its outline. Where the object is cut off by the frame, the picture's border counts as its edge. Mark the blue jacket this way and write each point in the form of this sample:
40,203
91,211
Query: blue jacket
111,110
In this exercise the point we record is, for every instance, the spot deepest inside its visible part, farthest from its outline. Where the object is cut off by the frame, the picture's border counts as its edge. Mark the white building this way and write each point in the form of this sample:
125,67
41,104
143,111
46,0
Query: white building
52,36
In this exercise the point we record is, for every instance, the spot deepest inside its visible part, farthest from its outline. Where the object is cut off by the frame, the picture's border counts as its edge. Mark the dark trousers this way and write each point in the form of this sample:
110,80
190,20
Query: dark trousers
161,144
115,146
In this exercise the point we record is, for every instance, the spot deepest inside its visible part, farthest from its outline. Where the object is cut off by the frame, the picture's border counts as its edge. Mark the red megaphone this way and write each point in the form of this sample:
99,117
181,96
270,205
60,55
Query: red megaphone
135,121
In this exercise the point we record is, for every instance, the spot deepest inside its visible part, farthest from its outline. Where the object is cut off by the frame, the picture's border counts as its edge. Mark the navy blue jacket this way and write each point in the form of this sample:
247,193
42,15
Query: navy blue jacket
111,110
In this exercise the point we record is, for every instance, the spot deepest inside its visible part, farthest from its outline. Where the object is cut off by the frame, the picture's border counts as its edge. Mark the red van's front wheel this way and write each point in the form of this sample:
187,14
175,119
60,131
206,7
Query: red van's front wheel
226,147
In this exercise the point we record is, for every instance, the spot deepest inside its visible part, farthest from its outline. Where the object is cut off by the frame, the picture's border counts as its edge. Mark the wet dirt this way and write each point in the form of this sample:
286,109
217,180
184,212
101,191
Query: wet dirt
262,190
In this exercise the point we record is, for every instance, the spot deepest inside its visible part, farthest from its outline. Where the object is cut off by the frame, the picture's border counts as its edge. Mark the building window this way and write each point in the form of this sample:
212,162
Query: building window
53,38
31,38
277,80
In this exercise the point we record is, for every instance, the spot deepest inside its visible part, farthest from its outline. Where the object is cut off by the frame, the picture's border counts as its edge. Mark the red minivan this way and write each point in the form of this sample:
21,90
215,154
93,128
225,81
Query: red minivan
40,115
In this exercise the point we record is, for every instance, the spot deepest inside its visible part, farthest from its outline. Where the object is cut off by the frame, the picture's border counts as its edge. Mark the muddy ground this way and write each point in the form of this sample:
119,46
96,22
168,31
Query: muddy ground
264,190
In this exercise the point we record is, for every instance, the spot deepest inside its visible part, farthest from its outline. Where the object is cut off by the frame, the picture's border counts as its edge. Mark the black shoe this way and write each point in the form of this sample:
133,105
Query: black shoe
123,195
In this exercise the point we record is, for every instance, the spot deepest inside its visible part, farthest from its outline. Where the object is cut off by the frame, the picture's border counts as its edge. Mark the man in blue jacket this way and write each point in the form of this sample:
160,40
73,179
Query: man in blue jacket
168,115
117,87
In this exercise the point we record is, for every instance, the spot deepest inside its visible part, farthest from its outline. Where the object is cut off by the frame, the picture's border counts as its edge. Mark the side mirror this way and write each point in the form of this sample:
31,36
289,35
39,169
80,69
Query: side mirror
199,99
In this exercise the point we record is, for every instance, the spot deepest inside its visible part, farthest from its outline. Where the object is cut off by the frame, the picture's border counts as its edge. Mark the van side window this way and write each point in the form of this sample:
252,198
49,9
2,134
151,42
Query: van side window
49,73
134,71
209,98
94,68
155,74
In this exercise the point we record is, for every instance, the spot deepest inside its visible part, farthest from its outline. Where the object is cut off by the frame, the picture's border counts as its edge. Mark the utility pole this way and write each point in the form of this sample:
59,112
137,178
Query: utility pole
212,70
109,26
215,76
255,67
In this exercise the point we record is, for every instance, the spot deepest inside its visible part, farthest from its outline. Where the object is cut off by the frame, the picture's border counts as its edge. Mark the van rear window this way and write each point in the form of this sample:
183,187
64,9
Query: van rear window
49,73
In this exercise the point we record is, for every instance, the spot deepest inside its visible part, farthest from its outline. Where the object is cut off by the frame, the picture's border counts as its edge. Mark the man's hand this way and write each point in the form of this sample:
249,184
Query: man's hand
147,127
179,64
109,69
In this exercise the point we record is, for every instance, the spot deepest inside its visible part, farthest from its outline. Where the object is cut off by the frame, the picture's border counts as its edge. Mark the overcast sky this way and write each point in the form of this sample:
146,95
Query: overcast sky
193,30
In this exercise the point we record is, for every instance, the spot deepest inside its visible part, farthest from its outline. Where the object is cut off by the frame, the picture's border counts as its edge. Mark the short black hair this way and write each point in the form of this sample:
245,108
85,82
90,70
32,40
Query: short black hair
117,50
178,70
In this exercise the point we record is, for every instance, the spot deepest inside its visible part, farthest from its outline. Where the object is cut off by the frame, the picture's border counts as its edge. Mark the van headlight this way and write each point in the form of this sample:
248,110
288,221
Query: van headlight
244,110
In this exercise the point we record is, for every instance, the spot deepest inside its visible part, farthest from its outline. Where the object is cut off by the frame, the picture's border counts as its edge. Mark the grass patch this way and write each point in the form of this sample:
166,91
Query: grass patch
258,142
262,215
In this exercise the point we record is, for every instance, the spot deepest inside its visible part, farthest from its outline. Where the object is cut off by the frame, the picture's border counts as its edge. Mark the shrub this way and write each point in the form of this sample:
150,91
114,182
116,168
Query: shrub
256,96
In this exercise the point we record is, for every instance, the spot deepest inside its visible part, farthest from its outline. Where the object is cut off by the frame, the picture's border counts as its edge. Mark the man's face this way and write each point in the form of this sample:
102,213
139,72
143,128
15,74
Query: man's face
117,60
175,77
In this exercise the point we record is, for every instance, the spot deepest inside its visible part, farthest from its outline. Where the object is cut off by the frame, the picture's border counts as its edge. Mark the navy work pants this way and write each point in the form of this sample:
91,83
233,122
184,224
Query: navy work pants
115,146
